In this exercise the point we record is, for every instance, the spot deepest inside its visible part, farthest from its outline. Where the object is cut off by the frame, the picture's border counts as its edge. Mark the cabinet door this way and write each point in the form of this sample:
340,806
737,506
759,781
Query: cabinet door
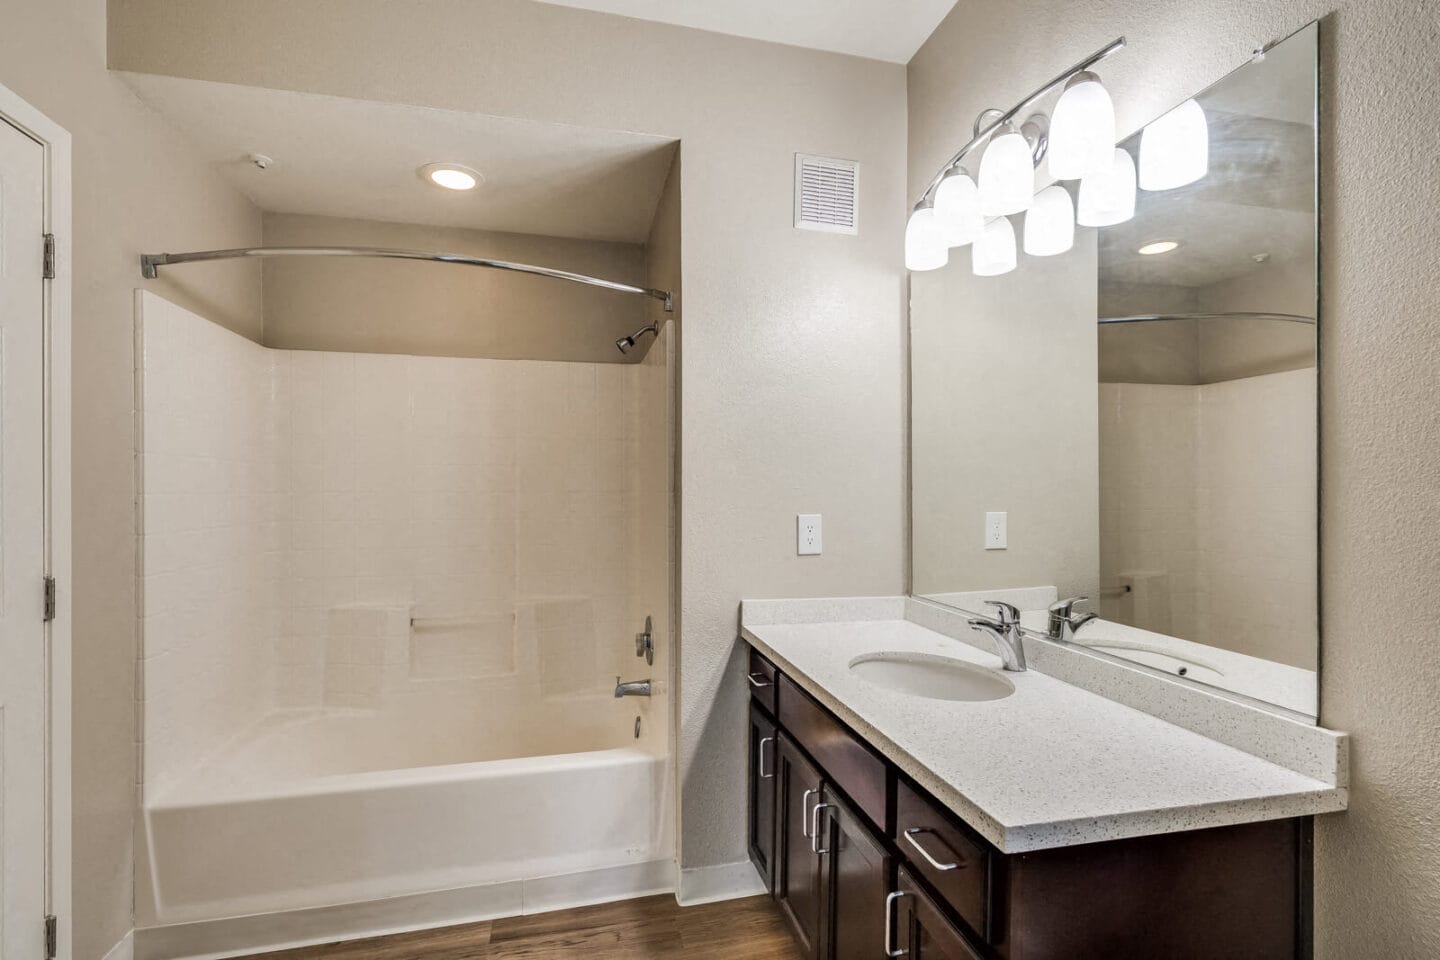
797,865
857,878
921,931
763,764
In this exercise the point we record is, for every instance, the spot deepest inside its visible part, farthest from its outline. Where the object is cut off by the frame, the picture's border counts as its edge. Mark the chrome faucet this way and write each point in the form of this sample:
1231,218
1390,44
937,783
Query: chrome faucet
1063,622
632,688
1005,631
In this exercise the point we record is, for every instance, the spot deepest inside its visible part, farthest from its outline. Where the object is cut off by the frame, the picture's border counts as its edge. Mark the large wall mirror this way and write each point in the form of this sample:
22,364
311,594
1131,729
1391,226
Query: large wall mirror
1134,421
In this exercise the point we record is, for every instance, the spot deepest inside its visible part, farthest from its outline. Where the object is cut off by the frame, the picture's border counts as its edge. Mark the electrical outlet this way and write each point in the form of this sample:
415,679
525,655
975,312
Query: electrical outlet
807,534
997,537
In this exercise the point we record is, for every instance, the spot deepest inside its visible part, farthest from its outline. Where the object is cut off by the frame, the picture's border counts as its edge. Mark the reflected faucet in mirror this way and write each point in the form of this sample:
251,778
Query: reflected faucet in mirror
1005,631
1063,622
632,688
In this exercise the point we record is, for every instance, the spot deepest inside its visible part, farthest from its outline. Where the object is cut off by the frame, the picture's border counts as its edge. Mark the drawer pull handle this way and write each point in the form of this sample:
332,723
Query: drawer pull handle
758,684
815,828
910,836
760,759
890,912
805,812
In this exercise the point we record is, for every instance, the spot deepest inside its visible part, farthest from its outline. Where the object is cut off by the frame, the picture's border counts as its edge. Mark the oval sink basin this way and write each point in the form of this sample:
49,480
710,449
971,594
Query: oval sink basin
1158,659
926,675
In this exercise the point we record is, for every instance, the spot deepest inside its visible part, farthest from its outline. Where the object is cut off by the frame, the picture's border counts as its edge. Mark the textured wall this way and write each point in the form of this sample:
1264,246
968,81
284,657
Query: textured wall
763,435
1377,888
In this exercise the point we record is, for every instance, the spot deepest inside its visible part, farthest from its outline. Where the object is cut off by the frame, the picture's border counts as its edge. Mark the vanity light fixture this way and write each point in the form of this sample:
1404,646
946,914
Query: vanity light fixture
994,253
1050,223
1082,130
451,176
1158,247
1175,149
957,208
1007,174
1108,197
925,246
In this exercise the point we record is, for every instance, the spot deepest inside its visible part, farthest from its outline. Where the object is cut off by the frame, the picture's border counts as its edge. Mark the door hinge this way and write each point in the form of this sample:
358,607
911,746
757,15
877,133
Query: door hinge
49,599
49,268
51,933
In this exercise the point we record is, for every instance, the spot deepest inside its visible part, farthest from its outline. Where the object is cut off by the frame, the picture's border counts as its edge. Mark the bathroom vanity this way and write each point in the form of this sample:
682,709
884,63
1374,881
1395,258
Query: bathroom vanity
1044,823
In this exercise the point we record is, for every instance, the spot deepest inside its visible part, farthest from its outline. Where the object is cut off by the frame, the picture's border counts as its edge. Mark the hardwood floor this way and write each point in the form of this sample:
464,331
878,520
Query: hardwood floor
653,928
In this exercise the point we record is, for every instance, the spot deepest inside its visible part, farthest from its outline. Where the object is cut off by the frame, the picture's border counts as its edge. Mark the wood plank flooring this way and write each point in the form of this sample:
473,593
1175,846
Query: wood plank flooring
652,928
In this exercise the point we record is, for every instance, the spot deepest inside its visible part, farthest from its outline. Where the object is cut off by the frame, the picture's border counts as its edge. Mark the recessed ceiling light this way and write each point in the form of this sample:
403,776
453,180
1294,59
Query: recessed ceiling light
1158,246
451,176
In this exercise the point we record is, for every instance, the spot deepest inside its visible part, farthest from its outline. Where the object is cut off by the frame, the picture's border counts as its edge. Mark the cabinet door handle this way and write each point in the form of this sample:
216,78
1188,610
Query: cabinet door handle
758,684
805,812
760,759
910,836
890,912
815,827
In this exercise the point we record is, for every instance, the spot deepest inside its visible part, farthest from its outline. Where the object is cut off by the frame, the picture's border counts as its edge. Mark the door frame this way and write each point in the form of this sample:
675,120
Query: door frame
56,405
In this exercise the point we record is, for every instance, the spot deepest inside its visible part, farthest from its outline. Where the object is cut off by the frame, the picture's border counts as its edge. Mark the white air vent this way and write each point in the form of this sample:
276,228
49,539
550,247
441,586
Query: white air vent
827,194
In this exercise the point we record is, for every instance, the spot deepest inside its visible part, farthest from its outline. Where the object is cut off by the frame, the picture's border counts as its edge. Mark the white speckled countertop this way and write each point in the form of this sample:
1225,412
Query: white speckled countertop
1048,766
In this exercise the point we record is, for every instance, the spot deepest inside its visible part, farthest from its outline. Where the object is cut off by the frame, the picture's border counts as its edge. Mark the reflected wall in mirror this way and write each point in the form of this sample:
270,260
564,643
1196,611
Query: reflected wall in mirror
1143,411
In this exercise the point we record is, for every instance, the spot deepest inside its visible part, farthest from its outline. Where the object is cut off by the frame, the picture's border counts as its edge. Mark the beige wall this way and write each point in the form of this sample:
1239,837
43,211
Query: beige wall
1377,889
791,369
400,306
136,188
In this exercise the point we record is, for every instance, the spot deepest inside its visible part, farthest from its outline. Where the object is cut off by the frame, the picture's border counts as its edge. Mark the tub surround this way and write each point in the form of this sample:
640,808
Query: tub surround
1054,764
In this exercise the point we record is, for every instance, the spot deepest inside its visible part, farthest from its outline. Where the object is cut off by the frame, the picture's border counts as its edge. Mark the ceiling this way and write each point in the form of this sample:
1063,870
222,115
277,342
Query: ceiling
338,157
879,29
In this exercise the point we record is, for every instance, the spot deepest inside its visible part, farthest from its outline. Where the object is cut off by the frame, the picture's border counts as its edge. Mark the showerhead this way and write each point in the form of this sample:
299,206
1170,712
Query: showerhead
625,343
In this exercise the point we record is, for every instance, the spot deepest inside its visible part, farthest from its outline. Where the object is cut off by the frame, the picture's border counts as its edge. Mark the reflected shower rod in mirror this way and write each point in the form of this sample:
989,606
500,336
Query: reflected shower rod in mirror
1239,315
149,262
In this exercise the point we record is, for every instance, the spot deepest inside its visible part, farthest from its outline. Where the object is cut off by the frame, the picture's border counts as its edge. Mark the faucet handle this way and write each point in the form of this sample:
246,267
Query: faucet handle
1009,613
1062,609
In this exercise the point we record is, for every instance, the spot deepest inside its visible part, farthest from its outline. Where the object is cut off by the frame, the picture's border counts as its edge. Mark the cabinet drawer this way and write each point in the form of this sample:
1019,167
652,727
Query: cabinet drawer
944,854
761,676
847,761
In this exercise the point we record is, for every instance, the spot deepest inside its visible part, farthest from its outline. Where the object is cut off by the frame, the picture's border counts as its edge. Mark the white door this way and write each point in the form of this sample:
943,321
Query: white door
22,547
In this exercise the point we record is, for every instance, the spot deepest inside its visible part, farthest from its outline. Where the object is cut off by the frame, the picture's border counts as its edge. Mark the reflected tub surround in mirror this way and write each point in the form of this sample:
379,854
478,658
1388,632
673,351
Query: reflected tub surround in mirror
1161,457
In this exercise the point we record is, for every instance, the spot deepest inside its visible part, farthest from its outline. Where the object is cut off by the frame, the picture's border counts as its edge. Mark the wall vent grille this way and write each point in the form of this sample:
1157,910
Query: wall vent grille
827,194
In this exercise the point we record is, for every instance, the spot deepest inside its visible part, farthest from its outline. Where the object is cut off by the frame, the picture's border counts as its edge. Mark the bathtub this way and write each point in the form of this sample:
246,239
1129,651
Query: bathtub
343,807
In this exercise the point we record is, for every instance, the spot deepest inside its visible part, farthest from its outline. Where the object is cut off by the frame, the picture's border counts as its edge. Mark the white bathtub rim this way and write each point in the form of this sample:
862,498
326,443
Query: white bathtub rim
311,926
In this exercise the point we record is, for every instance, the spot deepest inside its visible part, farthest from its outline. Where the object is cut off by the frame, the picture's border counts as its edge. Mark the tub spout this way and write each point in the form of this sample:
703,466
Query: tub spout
632,688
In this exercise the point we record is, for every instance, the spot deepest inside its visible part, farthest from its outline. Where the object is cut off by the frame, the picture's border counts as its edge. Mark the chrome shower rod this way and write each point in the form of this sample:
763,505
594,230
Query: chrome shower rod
1150,317
149,263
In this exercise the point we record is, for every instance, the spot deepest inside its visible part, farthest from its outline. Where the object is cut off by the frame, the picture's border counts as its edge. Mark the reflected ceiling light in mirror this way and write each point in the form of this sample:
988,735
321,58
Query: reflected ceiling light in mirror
1050,223
1158,247
994,253
925,247
1082,129
957,208
1175,149
1108,196
1007,174
451,176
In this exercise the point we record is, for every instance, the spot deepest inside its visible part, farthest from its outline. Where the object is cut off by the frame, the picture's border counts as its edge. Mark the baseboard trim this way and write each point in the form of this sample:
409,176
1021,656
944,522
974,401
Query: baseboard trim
726,881
264,933
124,948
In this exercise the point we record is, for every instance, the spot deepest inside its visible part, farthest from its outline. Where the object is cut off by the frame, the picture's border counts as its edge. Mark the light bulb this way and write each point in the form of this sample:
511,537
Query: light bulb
1082,130
994,253
1050,223
957,208
1175,150
1108,196
925,247
1007,174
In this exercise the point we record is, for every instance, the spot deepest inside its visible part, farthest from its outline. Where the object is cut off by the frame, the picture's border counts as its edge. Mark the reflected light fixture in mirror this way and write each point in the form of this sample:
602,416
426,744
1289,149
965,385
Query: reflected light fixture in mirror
1175,149
1108,197
1007,174
925,247
1082,131
1050,223
1157,247
994,253
957,208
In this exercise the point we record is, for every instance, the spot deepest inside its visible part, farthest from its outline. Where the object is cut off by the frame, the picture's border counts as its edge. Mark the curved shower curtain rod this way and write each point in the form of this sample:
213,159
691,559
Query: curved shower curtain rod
1147,317
149,262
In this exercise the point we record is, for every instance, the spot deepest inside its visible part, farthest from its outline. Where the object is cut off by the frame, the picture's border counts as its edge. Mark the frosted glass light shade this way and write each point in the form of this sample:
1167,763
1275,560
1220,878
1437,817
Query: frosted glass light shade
1108,197
1175,150
1050,223
925,247
1082,130
957,208
994,253
1007,174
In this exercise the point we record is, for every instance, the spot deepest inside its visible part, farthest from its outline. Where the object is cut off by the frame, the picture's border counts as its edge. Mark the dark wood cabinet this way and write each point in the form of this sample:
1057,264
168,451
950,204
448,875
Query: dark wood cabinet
856,870
920,928
761,814
797,861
